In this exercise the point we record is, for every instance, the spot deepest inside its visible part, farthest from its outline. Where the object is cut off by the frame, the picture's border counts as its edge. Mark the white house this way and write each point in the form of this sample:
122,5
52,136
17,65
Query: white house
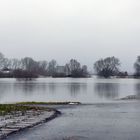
5,70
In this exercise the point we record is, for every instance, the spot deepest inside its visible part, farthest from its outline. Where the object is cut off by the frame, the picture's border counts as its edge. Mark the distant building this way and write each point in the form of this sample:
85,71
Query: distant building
60,70
6,73
6,70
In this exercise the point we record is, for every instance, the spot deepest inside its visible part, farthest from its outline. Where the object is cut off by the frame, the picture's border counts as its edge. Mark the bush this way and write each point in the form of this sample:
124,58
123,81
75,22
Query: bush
24,74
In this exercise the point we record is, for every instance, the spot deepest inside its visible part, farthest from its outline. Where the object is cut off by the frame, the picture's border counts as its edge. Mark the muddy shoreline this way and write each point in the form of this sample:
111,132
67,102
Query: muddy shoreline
37,113
13,123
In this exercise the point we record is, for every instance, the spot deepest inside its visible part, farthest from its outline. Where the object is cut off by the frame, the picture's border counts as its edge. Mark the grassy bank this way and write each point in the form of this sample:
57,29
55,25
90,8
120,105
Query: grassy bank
25,106
47,103
12,108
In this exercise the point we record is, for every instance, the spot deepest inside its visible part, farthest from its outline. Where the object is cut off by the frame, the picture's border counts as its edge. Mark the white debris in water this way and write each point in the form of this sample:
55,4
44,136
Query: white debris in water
73,103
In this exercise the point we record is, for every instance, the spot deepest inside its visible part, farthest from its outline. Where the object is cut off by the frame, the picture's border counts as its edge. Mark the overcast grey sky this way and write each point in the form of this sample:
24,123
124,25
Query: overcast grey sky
62,29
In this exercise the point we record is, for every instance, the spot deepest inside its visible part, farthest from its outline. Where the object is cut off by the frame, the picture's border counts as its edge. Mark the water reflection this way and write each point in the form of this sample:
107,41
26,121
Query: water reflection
26,79
76,88
107,90
26,85
4,88
137,89
51,89
28,88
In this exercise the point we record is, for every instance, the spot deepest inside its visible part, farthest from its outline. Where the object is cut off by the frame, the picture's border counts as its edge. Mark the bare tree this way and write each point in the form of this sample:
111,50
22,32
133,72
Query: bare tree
6,63
15,64
74,65
52,67
137,67
84,70
67,70
75,69
2,60
29,64
107,67
42,67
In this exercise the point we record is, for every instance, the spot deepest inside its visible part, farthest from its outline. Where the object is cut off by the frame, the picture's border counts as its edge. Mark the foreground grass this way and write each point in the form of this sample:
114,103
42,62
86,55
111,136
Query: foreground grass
25,106
47,103
12,108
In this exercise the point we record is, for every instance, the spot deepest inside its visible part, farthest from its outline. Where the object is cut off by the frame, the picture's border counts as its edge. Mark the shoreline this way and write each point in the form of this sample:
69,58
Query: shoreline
130,97
44,112
14,122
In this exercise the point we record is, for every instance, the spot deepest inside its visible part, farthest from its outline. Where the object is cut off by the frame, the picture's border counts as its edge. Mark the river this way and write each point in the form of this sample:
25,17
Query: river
100,117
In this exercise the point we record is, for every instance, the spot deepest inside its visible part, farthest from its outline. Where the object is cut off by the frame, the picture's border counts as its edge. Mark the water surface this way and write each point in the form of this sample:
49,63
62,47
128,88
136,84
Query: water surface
87,90
104,119
107,121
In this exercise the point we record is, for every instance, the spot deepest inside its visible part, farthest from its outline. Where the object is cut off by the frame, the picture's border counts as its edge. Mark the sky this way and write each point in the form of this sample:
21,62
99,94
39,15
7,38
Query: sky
86,30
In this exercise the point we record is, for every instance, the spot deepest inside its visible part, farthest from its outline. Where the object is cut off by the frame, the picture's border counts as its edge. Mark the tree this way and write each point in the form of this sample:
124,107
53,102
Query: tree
6,63
84,70
107,67
74,69
52,67
42,67
137,67
2,60
15,64
67,70
74,65
19,73
29,64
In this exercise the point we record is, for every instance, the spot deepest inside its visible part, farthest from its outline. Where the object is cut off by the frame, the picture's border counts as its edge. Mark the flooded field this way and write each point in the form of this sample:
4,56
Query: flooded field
86,90
108,121
100,117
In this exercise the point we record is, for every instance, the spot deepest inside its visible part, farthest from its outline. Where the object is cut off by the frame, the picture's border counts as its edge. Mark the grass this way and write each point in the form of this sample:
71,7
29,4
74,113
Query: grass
46,103
25,106
12,108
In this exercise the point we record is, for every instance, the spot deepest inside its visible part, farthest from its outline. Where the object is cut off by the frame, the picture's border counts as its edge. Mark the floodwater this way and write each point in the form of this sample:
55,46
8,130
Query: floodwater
86,90
107,121
99,118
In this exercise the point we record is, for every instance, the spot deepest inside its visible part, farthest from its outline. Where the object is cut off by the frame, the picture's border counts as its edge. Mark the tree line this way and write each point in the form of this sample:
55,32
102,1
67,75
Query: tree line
28,67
